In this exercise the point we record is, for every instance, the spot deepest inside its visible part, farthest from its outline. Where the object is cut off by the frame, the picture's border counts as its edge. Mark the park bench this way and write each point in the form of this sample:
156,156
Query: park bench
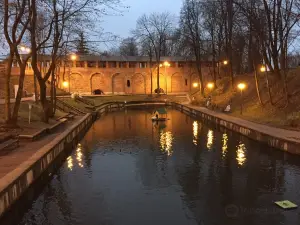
33,137
9,144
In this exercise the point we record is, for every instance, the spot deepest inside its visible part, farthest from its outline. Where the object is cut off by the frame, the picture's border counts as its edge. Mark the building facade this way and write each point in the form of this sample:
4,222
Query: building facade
122,75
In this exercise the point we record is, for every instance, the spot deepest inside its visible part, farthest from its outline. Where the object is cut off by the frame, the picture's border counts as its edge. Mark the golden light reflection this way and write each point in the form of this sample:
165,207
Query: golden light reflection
79,155
166,139
70,162
195,132
241,156
210,139
225,145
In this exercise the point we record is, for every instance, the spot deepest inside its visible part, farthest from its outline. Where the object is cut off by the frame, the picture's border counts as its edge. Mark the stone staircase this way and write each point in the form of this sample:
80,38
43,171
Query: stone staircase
65,107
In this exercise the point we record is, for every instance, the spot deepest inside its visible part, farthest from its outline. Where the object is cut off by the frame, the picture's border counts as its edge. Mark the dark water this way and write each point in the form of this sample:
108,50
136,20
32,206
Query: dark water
128,171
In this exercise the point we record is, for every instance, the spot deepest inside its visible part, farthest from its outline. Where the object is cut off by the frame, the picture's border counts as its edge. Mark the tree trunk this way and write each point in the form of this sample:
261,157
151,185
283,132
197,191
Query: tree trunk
269,89
158,88
14,118
7,110
200,77
52,87
257,83
44,102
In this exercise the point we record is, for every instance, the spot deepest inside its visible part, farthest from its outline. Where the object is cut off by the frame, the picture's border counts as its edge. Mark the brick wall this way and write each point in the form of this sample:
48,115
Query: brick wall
117,80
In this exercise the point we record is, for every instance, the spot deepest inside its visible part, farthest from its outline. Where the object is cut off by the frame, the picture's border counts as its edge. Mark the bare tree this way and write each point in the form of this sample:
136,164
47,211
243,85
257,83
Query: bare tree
16,20
273,22
156,28
128,47
191,25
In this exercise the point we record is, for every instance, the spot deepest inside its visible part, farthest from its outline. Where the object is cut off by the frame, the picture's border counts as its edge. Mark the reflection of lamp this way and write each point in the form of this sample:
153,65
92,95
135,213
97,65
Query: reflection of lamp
79,155
224,148
70,162
195,132
210,138
166,139
241,157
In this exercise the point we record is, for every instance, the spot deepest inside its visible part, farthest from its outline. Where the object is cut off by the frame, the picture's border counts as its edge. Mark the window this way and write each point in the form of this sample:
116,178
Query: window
128,83
92,64
172,64
102,64
112,64
79,64
123,64
132,64
186,82
180,64
142,65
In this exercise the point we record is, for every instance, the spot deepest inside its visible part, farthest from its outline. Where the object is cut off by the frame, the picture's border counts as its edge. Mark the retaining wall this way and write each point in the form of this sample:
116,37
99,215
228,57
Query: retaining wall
14,184
258,135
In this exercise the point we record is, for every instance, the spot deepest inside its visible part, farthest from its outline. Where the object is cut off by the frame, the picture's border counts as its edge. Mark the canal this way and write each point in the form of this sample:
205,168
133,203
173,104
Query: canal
130,171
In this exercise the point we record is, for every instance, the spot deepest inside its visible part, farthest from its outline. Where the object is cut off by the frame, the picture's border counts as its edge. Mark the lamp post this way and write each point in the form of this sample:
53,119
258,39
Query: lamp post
165,65
73,57
241,86
225,63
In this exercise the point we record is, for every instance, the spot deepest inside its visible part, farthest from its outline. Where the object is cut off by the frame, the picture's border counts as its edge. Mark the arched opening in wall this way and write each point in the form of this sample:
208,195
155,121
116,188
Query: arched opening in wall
128,83
97,81
138,84
77,83
186,82
118,83
177,83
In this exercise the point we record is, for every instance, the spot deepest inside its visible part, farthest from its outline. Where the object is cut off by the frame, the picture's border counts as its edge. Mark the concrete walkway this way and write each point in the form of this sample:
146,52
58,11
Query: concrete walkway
289,135
10,160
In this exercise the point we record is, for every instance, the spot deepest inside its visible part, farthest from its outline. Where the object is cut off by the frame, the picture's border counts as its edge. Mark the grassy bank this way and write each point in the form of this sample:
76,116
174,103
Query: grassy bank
275,115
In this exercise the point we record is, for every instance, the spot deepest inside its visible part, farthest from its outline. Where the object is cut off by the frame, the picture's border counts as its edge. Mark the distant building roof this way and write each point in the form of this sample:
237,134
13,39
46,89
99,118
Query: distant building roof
133,58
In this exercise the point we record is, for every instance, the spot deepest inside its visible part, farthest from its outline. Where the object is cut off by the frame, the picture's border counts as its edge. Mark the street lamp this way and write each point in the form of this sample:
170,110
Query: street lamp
263,69
65,84
195,85
167,65
241,86
225,62
210,85
73,57
25,49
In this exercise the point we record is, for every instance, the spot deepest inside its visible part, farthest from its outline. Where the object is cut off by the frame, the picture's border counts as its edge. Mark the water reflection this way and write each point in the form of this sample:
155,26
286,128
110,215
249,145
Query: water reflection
70,162
241,156
225,144
190,187
195,132
210,139
166,139
79,155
